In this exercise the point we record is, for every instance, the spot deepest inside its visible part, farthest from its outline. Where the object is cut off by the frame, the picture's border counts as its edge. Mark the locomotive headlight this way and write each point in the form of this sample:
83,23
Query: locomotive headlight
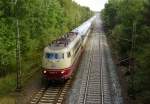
44,71
62,72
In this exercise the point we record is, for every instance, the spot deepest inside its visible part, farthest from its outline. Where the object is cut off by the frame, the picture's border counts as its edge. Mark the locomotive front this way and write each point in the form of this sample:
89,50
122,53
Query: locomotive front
59,58
55,65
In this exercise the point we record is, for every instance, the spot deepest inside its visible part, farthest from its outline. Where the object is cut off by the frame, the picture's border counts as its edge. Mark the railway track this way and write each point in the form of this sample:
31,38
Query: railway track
95,82
52,94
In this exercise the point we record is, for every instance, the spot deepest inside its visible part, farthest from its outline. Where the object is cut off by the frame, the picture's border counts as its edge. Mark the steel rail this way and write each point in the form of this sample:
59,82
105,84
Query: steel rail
89,70
101,68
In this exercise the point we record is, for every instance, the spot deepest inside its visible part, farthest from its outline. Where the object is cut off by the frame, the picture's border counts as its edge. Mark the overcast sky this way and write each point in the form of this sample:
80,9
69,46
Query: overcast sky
95,5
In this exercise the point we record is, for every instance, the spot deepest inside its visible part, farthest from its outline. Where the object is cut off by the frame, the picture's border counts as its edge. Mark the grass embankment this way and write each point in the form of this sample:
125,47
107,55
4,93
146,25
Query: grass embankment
7,100
8,84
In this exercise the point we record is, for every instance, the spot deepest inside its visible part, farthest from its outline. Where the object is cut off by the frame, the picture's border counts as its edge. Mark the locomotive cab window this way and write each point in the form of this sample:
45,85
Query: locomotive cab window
68,54
52,56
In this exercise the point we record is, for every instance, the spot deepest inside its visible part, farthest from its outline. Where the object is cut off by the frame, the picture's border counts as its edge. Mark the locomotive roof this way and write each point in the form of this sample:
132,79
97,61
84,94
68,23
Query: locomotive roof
63,42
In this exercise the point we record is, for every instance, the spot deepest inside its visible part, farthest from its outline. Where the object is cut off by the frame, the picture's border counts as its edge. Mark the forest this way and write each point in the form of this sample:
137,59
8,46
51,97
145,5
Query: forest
39,22
127,24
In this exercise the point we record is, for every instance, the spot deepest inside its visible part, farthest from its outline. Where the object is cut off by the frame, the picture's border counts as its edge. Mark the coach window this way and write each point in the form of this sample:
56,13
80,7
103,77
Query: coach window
68,54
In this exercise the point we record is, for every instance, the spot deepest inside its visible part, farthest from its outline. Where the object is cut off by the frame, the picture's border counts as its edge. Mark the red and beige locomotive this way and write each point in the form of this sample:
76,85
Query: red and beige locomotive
62,56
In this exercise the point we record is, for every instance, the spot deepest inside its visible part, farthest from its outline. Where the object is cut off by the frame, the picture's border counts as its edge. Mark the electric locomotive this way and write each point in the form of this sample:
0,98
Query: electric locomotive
61,57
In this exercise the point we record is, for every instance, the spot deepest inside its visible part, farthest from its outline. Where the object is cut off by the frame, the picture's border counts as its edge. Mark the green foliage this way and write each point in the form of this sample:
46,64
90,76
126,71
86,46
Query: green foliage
118,19
40,22
7,84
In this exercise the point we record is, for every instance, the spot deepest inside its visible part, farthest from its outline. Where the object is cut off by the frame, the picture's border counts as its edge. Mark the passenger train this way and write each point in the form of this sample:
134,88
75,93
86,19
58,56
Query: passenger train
62,56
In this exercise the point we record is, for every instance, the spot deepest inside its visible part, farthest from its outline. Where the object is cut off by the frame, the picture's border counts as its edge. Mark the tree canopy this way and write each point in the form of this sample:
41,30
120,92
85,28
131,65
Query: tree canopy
123,19
39,22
